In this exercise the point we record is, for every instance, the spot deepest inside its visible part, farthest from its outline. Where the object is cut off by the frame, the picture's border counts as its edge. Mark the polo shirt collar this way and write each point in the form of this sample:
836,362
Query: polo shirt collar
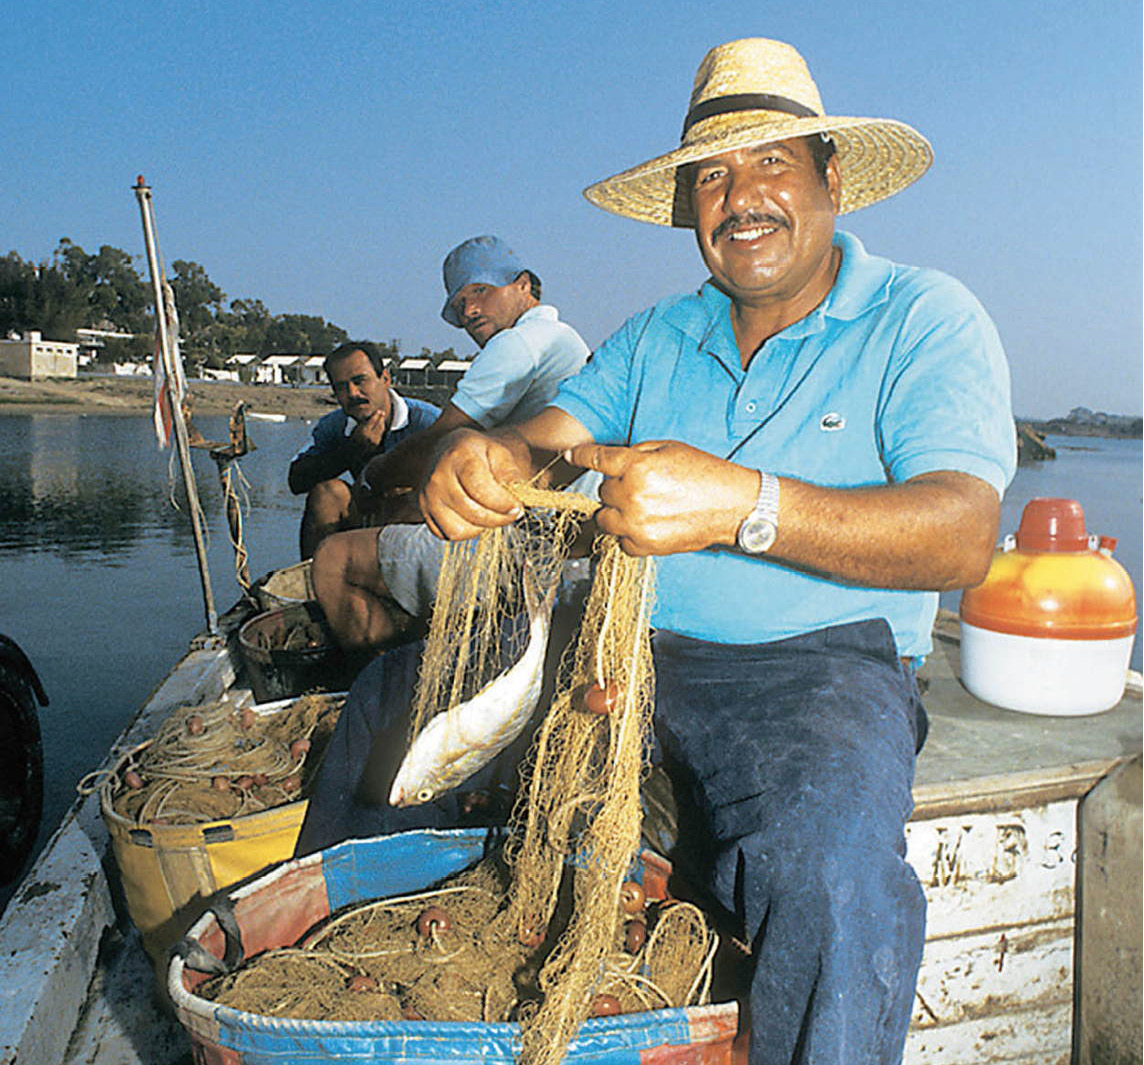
702,316
541,310
863,282
399,419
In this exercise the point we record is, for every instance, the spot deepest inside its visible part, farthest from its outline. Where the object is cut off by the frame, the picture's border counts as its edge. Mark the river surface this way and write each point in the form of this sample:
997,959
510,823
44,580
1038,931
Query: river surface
99,582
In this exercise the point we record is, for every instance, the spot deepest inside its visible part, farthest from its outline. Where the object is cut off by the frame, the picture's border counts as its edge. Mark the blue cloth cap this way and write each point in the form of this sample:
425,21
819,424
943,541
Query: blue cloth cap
480,260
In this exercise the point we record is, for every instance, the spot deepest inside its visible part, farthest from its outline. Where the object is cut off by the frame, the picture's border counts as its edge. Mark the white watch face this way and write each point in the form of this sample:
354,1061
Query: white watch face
757,534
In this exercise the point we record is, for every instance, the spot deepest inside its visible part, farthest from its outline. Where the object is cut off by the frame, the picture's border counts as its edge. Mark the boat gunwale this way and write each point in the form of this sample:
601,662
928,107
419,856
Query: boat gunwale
52,928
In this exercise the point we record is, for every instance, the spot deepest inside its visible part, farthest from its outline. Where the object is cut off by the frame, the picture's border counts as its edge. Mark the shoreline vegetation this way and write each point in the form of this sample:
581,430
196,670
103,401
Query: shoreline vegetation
1081,421
112,394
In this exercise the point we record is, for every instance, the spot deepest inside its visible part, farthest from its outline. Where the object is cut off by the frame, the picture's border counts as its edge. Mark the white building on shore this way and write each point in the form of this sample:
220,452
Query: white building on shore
33,358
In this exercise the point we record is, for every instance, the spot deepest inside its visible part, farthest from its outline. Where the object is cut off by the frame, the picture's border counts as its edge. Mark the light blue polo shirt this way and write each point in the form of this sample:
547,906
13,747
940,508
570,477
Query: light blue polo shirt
516,374
898,372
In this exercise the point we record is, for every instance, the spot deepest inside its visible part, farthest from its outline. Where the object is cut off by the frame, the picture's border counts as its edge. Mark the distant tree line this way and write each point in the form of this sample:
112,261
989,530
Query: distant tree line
77,290
1080,421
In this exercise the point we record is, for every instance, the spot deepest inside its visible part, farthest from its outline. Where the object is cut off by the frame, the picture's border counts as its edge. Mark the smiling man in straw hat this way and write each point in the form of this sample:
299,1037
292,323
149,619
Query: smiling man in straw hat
816,443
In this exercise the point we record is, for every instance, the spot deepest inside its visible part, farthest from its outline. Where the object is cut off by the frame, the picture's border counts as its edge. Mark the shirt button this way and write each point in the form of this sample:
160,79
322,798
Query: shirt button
751,407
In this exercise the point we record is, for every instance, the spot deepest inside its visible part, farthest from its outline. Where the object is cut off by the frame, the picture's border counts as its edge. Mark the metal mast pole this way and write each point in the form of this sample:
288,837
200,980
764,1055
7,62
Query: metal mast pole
182,447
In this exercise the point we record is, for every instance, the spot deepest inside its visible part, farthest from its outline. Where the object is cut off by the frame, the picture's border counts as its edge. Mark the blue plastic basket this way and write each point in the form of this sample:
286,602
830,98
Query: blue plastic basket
277,908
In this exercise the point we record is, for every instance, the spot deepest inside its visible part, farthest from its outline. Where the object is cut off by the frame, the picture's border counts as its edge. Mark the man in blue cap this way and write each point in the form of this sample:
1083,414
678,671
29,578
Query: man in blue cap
375,585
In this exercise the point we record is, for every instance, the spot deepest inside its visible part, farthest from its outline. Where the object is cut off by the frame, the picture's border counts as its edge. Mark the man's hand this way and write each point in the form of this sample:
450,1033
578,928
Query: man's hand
465,493
663,497
368,434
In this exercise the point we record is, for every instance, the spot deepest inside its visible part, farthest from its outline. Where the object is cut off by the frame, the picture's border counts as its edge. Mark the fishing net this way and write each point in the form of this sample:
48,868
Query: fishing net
298,631
226,455
482,599
451,953
218,761
556,933
578,807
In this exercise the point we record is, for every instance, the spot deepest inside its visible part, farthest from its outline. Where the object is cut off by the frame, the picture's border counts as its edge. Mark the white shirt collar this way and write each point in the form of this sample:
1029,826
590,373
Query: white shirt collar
400,417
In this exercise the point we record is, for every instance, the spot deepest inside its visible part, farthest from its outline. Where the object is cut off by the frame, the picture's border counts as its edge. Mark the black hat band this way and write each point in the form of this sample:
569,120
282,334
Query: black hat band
745,101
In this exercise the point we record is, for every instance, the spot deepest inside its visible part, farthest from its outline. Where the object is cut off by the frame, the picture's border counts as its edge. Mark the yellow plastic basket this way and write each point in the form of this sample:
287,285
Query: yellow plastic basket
169,872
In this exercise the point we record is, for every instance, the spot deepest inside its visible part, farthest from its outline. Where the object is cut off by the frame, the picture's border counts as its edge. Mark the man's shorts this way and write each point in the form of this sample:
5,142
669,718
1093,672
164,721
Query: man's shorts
410,559
410,556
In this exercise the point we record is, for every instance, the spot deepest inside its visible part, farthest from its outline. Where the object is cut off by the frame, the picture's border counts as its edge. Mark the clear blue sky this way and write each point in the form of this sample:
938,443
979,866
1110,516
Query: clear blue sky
324,157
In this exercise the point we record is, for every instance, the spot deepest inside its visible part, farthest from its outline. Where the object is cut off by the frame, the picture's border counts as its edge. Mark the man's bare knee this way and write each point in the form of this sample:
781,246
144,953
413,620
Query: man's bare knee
328,567
328,502
353,594
328,510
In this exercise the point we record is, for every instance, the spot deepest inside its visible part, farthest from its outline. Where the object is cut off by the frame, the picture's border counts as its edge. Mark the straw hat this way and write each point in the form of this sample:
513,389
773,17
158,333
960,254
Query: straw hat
757,91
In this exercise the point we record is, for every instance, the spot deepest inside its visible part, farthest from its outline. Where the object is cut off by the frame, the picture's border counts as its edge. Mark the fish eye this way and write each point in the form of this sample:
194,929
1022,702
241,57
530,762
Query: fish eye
425,794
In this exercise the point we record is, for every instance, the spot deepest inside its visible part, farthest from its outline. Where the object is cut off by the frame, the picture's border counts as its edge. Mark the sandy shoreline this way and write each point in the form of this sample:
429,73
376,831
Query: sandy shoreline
97,394
133,395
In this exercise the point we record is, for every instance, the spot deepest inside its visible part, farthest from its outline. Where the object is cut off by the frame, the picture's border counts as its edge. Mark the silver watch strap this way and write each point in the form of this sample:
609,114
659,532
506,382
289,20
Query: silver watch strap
767,505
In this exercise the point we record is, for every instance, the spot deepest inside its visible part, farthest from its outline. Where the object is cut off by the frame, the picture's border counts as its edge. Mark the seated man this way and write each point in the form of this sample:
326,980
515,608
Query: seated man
813,445
373,586
371,419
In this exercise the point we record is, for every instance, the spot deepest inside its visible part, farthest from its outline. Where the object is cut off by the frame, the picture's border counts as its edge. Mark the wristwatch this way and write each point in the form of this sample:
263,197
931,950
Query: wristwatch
759,528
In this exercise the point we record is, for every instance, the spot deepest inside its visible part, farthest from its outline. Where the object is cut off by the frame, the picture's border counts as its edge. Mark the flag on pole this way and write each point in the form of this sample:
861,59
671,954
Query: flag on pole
170,383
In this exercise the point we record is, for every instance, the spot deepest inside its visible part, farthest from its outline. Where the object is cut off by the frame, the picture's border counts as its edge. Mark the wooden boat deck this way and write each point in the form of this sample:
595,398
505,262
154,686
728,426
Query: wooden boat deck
977,750
998,841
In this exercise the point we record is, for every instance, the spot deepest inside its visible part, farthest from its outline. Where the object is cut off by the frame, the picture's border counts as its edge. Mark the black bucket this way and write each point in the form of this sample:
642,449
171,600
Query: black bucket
291,651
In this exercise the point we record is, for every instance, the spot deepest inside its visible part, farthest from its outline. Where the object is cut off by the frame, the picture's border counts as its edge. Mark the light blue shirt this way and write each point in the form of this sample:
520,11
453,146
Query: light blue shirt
898,372
516,374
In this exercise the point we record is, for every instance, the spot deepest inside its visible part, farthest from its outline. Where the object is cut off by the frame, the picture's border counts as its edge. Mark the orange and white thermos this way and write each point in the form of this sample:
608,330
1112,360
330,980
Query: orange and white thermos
1050,629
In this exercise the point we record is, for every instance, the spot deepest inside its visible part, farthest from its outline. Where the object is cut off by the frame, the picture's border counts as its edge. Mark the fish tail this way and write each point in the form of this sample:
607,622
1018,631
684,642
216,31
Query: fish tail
536,599
531,585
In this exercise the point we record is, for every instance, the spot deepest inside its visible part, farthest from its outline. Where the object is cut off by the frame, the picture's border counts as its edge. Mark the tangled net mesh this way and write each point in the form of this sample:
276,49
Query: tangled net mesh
451,954
579,805
217,761
551,938
479,622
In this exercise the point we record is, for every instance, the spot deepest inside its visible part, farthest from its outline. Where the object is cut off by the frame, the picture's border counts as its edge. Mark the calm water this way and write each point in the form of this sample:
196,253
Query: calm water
98,578
99,585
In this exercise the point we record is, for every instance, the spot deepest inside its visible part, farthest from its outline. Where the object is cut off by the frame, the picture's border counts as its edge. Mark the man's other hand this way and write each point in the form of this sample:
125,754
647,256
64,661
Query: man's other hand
368,434
465,493
662,497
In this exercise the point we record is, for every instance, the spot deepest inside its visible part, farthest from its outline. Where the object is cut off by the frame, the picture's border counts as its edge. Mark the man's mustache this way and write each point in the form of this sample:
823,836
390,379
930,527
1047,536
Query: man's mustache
752,218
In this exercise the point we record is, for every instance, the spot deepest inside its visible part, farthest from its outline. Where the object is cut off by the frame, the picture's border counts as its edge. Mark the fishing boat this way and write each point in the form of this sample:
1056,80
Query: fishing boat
1022,837
1025,836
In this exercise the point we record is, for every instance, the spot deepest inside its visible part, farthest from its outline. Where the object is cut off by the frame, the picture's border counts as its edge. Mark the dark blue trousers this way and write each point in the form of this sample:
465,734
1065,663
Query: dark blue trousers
793,766
362,757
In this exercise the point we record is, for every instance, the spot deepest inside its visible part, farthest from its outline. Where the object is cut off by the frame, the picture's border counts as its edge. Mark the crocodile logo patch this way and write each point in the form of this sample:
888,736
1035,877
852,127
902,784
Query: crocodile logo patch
832,422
